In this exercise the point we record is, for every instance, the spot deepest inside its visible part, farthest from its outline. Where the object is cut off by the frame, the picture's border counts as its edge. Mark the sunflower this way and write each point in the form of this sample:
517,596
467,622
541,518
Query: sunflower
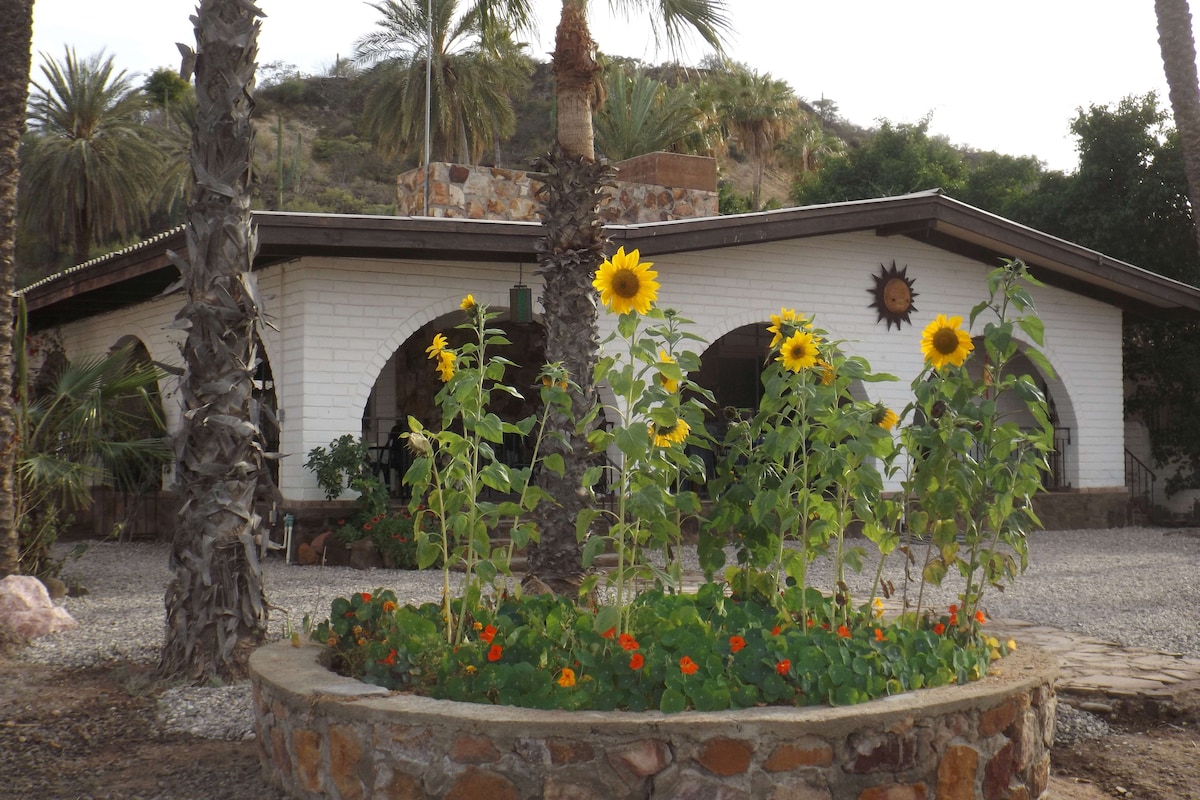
468,303
799,351
886,418
445,365
786,316
944,342
626,284
664,436
670,384
828,374
438,347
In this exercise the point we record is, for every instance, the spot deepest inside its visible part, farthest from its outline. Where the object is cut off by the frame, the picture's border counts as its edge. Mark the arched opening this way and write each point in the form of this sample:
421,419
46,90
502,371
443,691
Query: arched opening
1010,407
408,385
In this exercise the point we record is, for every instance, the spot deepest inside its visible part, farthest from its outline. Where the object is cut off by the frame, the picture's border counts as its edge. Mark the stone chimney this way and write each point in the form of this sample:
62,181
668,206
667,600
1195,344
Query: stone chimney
650,188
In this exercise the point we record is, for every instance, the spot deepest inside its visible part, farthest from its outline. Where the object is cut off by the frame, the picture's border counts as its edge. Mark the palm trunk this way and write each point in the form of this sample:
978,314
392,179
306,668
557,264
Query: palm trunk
15,36
569,254
575,71
216,607
1179,63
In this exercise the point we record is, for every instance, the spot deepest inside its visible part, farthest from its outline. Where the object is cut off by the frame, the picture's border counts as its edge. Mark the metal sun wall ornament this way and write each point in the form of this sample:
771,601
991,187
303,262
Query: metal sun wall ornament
893,295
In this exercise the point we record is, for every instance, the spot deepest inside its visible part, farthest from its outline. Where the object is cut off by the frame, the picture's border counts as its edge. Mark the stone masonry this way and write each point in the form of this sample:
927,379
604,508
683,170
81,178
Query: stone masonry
324,736
659,187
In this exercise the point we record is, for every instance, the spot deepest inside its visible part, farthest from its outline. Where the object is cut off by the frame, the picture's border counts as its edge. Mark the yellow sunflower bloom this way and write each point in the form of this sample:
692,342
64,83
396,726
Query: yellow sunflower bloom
468,303
828,375
887,419
626,284
945,342
665,437
787,317
799,351
439,345
670,384
445,365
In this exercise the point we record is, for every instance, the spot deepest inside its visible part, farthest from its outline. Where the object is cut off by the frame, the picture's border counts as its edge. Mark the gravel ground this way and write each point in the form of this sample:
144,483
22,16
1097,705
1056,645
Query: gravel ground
1135,586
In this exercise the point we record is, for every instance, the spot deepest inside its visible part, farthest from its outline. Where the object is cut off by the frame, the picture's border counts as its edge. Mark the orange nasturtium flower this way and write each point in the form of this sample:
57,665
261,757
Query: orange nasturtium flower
366,597
567,678
980,618
608,634
783,667
637,662
879,634
939,629
495,653
775,631
843,632
736,643
390,661
687,666
627,642
388,606
488,634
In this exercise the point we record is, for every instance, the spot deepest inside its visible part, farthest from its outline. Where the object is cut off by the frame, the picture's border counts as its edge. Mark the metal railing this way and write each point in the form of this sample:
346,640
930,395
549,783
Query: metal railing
1140,480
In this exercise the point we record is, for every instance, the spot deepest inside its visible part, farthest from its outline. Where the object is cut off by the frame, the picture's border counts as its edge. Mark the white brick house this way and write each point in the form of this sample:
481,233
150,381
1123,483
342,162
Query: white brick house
347,293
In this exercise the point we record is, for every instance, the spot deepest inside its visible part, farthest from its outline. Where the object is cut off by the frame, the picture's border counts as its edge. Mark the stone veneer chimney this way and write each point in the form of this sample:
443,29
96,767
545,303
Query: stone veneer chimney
650,188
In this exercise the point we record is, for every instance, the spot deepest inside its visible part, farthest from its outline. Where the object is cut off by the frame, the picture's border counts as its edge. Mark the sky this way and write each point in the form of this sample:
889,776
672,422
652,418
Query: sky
1007,77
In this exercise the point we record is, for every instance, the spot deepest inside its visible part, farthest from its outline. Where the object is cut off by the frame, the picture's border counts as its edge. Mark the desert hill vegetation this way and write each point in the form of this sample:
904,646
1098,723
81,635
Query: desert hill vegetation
104,163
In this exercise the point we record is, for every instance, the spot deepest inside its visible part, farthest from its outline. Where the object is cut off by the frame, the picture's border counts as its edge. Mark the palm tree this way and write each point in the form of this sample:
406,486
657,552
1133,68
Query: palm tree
476,69
809,145
641,115
1179,63
92,165
15,36
759,112
570,253
216,606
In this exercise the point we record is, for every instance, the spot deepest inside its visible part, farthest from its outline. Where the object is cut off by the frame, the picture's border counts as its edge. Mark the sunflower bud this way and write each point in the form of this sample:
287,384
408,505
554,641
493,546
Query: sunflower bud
419,444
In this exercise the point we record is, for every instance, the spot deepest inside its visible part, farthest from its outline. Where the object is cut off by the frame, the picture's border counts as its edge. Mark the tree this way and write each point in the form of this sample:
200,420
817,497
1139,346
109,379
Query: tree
92,165
15,36
897,159
641,115
475,70
216,605
809,145
569,255
759,112
1178,47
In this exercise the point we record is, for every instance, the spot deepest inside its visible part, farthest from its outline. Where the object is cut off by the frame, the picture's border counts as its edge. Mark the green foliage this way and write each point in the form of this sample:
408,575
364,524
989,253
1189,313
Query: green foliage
897,159
164,88
346,462
705,651
642,115
972,469
79,424
453,468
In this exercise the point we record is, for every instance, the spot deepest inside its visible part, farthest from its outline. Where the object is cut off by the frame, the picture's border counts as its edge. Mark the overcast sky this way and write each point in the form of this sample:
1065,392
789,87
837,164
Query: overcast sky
994,76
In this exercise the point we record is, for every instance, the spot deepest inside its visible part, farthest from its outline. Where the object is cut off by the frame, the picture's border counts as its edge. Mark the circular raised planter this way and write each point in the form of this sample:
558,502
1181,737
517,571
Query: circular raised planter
322,735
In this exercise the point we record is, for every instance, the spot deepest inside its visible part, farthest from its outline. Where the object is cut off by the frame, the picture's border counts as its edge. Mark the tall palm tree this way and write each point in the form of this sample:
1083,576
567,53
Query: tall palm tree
216,606
92,165
641,115
1178,47
809,145
15,36
573,248
759,112
476,70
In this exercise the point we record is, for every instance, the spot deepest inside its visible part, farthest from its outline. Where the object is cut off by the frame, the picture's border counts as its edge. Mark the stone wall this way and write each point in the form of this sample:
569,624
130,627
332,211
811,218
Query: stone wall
324,736
470,192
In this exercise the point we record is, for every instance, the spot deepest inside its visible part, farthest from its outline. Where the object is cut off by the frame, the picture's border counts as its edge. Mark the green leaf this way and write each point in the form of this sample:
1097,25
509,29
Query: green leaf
1034,328
672,702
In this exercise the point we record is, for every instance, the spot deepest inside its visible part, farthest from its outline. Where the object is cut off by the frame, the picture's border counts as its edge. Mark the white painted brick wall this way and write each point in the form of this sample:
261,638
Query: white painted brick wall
340,321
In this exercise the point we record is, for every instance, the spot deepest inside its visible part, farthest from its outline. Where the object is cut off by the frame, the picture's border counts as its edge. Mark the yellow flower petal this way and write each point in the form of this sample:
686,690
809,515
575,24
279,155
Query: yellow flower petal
626,284
439,344
799,351
945,342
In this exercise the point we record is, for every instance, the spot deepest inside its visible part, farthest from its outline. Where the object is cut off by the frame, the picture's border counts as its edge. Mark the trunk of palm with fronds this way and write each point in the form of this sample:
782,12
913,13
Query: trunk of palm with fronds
15,36
216,607
1178,47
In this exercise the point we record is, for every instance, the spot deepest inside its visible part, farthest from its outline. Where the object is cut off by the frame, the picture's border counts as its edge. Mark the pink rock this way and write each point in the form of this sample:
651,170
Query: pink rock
26,607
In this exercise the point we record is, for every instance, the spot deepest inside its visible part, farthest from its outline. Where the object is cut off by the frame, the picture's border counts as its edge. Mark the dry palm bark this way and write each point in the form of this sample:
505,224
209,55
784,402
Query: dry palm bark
216,608
15,34
1178,47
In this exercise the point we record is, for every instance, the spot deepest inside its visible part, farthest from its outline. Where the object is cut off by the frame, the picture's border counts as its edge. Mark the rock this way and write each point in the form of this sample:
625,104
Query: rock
26,608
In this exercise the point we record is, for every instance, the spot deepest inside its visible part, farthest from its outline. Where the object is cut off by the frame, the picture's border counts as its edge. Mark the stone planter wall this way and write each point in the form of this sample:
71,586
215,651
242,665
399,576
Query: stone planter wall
322,735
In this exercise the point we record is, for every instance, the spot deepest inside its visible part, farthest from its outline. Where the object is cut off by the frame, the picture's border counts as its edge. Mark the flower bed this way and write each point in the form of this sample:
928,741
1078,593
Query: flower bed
324,735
